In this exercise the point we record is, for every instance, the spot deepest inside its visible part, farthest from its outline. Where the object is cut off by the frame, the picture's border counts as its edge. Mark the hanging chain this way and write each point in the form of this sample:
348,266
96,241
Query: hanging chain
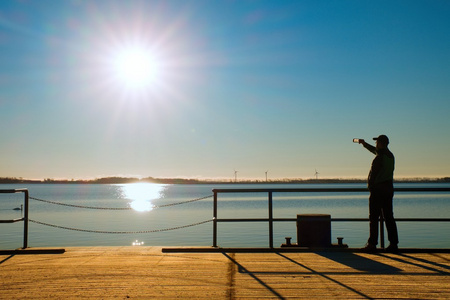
117,208
183,202
120,232
81,206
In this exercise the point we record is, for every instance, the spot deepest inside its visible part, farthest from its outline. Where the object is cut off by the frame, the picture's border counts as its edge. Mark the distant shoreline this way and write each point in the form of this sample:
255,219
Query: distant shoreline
124,180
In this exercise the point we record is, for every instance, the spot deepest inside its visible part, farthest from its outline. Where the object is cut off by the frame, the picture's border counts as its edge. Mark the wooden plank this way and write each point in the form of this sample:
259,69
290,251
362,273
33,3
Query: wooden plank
146,272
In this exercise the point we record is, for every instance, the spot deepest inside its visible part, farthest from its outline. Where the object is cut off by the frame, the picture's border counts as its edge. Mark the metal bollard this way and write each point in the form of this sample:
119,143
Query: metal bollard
288,241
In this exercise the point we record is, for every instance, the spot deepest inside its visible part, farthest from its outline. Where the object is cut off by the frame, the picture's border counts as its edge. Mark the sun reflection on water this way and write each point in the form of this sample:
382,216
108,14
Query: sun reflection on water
141,195
137,243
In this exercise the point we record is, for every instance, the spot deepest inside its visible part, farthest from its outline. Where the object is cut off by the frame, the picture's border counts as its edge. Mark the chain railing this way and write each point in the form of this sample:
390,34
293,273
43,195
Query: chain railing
80,206
117,208
26,218
121,232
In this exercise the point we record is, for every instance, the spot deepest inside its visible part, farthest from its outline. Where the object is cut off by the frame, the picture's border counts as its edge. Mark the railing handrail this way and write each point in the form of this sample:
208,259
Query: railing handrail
12,191
271,219
24,218
331,190
12,220
332,219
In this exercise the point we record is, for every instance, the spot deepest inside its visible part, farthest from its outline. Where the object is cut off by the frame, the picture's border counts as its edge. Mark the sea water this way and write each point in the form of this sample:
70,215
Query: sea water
151,219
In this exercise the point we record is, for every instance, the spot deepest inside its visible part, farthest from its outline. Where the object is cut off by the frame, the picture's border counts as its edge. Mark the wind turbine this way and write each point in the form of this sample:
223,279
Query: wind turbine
235,175
266,174
316,174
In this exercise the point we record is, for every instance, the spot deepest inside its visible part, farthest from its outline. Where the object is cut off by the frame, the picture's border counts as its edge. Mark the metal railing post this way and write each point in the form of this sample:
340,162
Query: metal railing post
270,221
25,220
215,220
382,232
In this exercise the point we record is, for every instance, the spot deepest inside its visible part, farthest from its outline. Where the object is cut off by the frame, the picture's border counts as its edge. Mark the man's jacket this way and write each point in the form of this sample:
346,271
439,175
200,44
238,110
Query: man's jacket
383,165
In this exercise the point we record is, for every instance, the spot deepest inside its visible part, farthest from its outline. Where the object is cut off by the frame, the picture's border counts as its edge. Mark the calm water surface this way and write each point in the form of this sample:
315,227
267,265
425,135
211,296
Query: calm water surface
144,215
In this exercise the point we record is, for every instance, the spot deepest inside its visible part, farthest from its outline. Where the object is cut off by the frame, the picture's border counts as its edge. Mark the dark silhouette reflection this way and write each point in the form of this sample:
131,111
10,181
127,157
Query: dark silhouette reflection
325,276
360,263
421,263
242,269
9,257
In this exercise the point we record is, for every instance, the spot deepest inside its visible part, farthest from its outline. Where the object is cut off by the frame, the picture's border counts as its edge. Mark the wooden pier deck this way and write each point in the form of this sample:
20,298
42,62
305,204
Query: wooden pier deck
148,273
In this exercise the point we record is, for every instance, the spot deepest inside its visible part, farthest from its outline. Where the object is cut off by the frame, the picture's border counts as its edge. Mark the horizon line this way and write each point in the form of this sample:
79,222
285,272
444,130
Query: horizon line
129,179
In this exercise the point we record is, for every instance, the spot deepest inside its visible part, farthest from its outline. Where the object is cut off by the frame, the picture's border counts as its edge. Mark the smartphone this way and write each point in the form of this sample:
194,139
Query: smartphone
355,140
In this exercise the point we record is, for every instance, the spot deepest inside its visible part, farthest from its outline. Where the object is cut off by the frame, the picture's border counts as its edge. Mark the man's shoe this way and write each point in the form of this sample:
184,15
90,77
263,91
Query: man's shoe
369,248
392,248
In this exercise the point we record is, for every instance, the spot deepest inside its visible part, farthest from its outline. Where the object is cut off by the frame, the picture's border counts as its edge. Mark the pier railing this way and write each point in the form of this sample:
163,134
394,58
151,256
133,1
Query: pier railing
270,219
25,215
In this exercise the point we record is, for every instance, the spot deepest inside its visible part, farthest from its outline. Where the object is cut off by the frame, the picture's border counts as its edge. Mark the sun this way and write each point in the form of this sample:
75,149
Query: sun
135,66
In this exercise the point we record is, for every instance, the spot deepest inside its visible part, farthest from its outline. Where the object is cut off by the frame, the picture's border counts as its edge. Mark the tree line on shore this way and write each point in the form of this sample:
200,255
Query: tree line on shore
123,180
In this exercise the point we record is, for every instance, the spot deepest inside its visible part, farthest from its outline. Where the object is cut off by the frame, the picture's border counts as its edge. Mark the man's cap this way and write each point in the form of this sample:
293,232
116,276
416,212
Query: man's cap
382,138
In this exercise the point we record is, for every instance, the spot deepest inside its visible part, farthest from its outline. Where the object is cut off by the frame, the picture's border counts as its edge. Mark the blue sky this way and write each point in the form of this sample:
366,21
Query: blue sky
252,86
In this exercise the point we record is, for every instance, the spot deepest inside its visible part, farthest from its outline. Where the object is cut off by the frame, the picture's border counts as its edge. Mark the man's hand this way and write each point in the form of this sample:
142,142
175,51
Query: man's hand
361,141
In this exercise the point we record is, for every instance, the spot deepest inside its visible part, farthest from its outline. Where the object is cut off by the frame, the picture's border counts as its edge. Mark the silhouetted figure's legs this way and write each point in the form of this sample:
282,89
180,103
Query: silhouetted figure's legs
380,201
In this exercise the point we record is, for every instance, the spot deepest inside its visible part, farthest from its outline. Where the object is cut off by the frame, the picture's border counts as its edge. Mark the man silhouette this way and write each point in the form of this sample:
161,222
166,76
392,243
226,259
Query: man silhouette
380,183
